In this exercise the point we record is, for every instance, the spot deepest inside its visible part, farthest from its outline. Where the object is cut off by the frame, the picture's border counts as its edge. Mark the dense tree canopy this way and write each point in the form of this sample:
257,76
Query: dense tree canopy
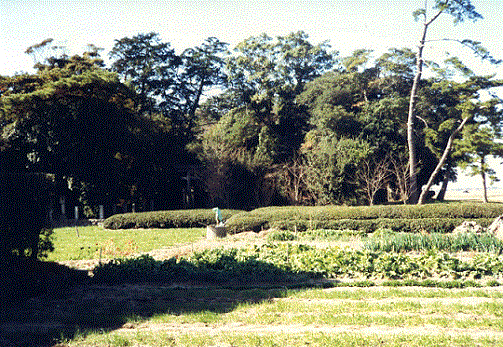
82,125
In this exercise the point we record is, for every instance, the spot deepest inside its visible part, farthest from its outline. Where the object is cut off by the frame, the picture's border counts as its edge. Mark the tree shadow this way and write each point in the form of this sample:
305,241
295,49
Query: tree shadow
71,305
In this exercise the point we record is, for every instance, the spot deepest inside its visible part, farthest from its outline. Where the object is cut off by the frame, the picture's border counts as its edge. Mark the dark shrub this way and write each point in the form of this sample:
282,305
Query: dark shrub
24,226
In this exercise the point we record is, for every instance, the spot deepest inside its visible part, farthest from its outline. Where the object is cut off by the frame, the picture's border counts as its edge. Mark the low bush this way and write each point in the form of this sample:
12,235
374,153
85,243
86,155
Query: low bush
407,218
165,219
281,235
405,242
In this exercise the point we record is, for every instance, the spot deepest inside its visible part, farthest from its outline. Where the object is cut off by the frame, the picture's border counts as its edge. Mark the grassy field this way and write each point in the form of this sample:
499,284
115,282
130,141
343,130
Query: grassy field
89,242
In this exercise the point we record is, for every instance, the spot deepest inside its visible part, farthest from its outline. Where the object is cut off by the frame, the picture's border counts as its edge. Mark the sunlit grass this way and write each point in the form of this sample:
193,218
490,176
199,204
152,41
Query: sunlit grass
341,317
290,339
381,293
88,242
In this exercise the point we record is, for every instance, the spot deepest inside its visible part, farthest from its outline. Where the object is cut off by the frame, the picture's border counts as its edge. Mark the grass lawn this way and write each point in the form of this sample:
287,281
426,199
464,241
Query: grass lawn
157,316
87,242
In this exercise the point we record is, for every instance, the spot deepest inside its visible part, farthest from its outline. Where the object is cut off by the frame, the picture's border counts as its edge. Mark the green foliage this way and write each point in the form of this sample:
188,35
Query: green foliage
406,242
217,266
331,234
260,125
166,219
284,262
330,165
64,120
281,235
407,218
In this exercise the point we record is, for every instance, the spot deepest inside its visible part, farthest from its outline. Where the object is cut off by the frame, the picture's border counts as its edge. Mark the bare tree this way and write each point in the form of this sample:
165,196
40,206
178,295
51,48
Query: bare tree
400,169
373,175
291,177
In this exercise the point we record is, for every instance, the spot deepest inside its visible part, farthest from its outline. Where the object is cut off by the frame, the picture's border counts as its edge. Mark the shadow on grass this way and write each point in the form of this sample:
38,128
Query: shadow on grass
69,305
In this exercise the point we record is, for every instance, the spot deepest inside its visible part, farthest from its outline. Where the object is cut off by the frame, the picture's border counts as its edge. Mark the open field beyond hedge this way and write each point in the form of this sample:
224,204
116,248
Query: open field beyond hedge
279,287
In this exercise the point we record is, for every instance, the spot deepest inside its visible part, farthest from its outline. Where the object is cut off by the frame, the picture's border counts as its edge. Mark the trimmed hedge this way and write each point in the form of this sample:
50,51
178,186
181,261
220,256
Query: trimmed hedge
438,225
166,219
406,218
451,210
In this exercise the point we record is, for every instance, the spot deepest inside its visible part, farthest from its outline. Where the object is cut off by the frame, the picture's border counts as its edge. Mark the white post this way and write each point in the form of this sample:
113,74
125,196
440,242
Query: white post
76,212
102,212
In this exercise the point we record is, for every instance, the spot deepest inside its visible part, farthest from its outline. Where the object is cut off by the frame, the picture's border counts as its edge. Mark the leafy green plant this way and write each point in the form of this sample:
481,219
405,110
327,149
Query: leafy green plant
281,235
296,262
405,242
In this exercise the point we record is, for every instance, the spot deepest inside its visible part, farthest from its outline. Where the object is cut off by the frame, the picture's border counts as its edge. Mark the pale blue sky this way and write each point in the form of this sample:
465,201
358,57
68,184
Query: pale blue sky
346,24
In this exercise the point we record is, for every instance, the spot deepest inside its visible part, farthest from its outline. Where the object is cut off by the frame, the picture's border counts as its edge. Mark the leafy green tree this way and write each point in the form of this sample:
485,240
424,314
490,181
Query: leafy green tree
202,68
477,144
256,123
269,73
150,66
331,164
363,101
81,124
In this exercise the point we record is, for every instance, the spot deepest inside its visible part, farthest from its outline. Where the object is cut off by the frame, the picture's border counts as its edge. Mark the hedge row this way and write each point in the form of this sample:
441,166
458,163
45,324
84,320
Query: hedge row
430,225
166,219
406,218
448,210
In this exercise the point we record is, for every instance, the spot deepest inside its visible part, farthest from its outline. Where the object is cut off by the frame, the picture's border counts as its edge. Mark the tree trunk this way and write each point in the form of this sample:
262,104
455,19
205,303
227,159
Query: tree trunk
484,183
195,103
443,189
445,155
411,142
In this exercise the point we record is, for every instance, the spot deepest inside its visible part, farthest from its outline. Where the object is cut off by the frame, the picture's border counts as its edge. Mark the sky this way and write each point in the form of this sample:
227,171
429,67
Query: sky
347,25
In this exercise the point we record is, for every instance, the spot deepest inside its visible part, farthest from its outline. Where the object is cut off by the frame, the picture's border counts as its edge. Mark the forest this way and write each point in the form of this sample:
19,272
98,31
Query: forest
272,121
